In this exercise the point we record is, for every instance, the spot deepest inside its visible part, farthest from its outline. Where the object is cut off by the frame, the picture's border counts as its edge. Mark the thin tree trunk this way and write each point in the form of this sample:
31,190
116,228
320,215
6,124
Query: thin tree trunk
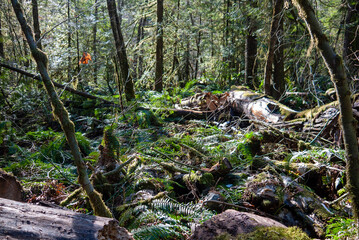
78,79
278,73
68,43
94,46
35,17
277,8
175,61
187,65
140,57
62,115
2,53
159,48
250,60
121,50
335,66
198,44
351,39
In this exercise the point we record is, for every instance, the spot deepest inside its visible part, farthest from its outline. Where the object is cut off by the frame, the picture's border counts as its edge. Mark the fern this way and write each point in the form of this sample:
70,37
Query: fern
164,219
159,231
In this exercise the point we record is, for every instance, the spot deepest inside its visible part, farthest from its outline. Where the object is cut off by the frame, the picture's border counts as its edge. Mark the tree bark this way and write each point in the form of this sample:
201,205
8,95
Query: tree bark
278,73
121,50
2,53
250,60
351,39
159,48
336,70
138,58
277,8
35,17
68,43
94,44
28,221
61,113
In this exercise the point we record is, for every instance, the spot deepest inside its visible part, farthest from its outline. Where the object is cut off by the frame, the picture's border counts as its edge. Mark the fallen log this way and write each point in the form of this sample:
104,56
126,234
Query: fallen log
26,221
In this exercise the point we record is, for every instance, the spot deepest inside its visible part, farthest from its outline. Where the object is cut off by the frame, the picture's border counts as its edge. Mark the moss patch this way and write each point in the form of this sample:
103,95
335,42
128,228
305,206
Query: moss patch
275,233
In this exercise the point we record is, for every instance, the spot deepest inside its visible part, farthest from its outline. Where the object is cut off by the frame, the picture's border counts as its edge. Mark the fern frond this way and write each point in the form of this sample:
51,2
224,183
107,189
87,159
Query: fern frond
155,232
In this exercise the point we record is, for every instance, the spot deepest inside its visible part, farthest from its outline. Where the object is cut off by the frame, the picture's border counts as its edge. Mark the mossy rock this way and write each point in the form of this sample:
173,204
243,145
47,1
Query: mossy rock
205,179
275,233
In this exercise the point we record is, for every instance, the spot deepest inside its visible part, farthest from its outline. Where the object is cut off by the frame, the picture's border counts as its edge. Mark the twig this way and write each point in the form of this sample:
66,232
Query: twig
194,150
244,208
58,85
337,200
118,168
183,164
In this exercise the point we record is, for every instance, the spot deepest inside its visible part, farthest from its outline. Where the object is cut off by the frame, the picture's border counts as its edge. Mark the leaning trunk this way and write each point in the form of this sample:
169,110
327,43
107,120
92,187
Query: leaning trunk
335,66
351,39
62,115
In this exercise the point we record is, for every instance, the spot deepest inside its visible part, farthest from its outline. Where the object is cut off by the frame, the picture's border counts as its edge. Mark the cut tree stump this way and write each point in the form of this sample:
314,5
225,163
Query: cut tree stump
26,221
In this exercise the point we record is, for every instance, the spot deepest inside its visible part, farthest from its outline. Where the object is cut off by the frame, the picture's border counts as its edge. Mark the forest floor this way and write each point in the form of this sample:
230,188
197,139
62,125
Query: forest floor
176,173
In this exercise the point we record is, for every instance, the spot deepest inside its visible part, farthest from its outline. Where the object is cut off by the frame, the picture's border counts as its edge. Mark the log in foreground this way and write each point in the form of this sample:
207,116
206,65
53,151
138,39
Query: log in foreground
26,221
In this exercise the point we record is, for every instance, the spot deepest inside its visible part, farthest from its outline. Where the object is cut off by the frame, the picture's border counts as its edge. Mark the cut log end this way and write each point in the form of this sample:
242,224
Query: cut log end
27,221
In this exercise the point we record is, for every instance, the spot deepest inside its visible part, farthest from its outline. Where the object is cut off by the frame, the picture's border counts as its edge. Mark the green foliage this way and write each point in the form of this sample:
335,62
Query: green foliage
164,219
275,233
159,231
5,131
341,228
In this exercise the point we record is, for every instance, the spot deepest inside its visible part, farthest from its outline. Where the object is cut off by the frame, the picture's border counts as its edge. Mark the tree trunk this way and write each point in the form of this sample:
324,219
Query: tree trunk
198,44
94,46
159,48
277,8
62,115
121,50
2,53
54,223
335,66
35,17
68,42
250,61
187,65
138,59
141,35
78,79
278,74
351,39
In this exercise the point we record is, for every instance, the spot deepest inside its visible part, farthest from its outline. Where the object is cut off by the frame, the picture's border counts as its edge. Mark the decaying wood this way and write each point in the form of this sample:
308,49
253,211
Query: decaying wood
240,100
10,188
26,221
322,123
258,106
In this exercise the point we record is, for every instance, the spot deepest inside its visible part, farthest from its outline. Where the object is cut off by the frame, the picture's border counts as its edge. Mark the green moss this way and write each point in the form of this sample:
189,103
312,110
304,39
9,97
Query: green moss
207,179
275,233
303,146
260,177
312,113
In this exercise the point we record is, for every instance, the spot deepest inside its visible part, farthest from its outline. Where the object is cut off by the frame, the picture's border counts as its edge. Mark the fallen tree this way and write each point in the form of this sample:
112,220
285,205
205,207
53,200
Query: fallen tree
26,221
